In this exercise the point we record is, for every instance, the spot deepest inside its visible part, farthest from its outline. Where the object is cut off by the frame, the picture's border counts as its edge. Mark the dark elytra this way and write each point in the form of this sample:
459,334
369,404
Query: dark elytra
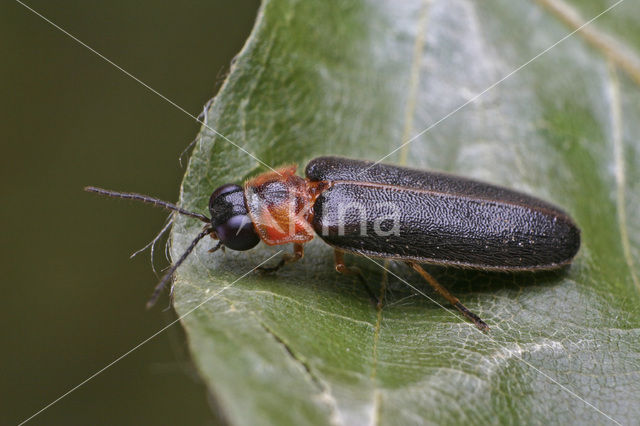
444,219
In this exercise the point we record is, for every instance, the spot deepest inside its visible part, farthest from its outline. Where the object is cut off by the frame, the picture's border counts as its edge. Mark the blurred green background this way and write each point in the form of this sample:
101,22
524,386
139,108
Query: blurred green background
73,301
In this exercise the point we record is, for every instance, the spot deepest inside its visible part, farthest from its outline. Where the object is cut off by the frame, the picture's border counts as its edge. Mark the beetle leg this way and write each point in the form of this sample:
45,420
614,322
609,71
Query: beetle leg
338,256
298,253
451,298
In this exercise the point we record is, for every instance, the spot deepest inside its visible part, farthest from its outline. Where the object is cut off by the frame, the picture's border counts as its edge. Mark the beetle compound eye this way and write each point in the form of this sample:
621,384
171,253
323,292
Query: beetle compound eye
237,233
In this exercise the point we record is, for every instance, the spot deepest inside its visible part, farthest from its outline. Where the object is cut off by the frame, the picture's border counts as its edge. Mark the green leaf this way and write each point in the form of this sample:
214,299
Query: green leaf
357,79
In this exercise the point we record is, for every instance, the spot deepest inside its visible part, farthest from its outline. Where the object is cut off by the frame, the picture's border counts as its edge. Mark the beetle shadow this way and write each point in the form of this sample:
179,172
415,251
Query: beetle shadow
317,267
460,282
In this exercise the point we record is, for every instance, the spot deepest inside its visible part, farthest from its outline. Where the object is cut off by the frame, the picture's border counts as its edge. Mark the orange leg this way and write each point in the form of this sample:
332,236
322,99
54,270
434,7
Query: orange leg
298,253
352,270
451,298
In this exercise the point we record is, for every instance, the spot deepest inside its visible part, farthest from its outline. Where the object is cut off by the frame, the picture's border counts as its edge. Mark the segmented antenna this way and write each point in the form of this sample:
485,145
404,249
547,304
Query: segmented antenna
160,203
146,199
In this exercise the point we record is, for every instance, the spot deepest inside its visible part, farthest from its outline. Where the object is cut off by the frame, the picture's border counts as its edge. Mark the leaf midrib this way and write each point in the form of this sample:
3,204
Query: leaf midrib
619,167
410,107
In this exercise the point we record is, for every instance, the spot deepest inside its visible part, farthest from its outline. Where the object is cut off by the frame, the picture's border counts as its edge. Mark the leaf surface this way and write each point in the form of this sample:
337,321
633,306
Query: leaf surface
359,78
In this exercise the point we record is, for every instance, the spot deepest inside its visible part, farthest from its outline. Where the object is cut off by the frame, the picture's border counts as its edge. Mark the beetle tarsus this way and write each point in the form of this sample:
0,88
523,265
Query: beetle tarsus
471,316
298,253
450,297
270,269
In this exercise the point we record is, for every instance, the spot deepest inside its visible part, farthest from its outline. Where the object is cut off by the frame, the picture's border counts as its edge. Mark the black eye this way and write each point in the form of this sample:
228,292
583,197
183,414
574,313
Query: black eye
238,233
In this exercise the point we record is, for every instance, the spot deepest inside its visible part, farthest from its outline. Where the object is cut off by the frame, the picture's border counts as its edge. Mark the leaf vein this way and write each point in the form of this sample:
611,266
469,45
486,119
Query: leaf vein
618,148
615,50
414,81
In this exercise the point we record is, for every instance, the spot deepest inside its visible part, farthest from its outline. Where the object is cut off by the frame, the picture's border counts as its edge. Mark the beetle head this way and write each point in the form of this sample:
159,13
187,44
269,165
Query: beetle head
230,220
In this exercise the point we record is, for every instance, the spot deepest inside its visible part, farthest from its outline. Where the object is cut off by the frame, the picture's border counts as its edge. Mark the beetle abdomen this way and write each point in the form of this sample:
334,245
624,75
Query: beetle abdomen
403,223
